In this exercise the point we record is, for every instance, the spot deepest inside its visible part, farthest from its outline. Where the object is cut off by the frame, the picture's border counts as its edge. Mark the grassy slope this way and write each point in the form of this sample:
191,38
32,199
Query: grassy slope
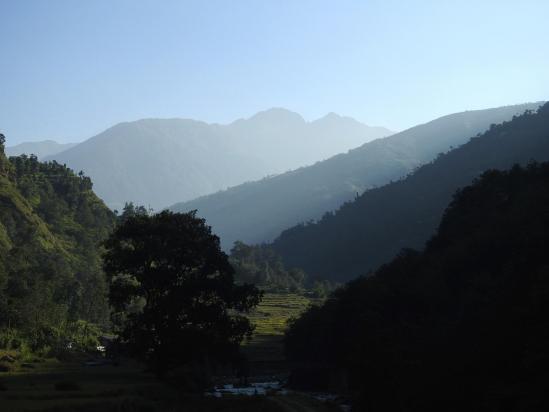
11,201
273,312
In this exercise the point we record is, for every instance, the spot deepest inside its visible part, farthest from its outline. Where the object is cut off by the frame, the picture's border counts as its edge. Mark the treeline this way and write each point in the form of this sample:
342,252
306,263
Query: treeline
260,265
51,280
371,230
462,325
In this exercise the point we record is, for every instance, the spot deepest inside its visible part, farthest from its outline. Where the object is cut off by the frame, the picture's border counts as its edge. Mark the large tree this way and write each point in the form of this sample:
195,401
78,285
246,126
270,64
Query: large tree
170,269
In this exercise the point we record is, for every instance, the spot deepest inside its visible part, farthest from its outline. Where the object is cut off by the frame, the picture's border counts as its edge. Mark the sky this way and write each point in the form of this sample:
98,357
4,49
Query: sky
70,69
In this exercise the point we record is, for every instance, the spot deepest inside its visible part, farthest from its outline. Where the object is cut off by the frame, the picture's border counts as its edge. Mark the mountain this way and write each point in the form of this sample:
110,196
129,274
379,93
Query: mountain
257,212
41,149
463,324
51,226
157,162
371,230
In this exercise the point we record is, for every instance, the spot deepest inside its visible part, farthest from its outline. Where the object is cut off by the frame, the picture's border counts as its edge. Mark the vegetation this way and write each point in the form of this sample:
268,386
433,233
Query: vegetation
371,230
258,212
123,388
189,312
52,288
460,326
261,266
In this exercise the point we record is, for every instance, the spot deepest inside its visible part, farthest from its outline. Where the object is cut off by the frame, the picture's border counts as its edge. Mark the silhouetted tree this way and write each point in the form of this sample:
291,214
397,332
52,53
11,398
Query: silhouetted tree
192,307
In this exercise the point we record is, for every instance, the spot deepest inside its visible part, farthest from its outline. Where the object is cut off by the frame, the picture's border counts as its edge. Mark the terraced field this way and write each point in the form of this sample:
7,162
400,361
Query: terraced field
270,318
272,314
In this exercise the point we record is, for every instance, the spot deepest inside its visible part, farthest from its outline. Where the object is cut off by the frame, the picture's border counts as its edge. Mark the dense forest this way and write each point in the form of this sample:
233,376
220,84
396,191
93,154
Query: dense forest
51,278
261,266
371,230
461,326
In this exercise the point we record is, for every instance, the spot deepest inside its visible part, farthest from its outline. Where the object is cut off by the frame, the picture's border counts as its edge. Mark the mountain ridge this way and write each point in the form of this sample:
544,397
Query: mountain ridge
255,212
158,162
40,148
365,233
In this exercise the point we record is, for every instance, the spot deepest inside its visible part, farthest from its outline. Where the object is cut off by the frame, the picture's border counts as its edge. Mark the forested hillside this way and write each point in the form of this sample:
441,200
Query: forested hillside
257,212
157,162
365,233
51,227
461,326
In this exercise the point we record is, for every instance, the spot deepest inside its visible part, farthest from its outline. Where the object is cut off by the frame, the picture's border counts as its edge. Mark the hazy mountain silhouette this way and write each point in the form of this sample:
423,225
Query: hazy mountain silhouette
158,162
258,211
41,149
365,233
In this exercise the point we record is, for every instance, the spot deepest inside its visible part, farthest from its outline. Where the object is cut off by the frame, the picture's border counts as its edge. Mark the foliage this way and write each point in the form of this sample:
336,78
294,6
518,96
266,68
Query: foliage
191,312
51,225
462,324
261,266
132,210
371,230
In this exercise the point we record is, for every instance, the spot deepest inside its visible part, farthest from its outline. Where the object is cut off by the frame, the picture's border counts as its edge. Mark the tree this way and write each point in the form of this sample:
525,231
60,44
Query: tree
131,210
192,309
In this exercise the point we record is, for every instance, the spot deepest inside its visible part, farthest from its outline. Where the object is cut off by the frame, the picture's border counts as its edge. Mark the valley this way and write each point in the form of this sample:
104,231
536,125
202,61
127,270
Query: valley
274,206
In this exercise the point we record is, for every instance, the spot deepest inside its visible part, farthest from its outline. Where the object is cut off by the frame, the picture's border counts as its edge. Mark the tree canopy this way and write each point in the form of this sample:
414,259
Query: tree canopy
459,326
261,266
188,307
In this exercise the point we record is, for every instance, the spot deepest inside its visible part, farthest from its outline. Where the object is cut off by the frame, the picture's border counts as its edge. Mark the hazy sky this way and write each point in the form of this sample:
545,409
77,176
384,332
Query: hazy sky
70,69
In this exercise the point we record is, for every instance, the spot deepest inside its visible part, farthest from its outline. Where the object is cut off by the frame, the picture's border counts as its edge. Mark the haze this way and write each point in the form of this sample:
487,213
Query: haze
72,69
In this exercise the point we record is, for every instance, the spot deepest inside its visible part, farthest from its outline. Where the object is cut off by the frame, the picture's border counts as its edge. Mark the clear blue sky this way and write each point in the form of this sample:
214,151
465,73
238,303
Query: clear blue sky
70,69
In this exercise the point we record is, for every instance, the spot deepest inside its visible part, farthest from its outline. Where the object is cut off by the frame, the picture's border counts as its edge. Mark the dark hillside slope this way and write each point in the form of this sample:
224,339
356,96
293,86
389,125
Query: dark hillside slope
257,212
461,326
371,230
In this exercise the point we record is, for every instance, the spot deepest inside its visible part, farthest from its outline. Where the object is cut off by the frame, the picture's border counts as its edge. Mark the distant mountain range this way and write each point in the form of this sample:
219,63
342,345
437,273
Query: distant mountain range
41,149
371,230
157,162
258,211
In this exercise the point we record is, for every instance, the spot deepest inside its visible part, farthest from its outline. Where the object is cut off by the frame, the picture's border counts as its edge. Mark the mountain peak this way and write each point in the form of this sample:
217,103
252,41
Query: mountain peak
277,114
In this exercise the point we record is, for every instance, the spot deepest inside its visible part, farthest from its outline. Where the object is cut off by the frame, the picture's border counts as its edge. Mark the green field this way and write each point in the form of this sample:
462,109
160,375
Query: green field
272,314
265,349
